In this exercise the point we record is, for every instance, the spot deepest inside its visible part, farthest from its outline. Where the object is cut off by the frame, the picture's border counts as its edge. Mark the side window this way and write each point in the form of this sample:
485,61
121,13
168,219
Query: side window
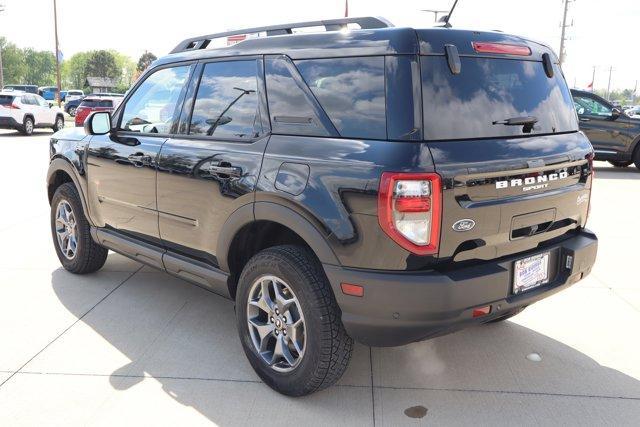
351,91
226,104
29,100
590,106
292,111
152,107
41,102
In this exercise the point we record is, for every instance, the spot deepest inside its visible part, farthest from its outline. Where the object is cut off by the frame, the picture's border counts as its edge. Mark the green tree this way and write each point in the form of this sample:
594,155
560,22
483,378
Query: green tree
74,70
13,63
102,63
40,67
145,60
127,70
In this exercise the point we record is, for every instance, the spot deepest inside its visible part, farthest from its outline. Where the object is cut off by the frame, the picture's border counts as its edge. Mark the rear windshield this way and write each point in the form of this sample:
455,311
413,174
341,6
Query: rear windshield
6,99
95,103
466,105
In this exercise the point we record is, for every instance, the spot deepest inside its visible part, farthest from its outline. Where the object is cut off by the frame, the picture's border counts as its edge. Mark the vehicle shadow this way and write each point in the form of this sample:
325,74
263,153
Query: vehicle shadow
630,172
185,338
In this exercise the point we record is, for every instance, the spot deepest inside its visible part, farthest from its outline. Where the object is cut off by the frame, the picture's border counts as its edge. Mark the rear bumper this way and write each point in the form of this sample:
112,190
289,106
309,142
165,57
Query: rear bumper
402,307
9,123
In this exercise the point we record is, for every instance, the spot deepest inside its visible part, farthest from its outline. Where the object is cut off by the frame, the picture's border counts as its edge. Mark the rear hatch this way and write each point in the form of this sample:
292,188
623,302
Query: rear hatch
502,130
6,105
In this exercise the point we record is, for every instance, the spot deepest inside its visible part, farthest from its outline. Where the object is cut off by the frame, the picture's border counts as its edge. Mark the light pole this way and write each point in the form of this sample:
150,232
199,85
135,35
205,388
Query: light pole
55,18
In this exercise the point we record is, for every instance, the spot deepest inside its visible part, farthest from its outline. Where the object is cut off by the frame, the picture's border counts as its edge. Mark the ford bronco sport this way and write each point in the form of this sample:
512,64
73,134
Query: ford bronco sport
379,184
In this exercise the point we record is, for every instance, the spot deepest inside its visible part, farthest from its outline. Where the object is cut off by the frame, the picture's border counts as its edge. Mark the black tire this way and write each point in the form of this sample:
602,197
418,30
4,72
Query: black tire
636,157
72,111
88,255
508,315
27,126
59,124
619,163
327,348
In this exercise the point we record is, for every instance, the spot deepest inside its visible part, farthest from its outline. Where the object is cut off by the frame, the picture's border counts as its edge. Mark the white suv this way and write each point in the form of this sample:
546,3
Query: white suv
25,111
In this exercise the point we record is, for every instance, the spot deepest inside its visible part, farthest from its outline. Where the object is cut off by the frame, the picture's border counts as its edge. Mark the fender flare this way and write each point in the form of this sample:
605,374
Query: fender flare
287,217
63,164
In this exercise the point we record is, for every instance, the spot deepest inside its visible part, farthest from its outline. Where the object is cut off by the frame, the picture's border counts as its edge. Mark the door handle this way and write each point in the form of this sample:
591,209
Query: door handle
139,160
223,169
584,119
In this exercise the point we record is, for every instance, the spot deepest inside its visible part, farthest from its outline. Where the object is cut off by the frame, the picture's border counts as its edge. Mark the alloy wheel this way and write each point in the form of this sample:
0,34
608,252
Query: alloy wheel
66,229
276,323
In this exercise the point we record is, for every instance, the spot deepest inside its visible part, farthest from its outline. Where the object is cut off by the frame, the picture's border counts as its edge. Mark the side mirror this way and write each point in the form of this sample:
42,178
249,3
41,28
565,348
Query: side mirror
98,123
615,113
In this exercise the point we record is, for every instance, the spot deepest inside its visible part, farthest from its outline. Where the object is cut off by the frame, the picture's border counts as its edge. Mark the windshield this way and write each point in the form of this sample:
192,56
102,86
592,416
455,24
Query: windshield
478,102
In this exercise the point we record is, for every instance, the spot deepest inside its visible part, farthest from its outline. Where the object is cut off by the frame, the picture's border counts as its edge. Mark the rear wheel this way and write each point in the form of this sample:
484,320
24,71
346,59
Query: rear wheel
636,157
619,163
76,250
27,126
289,322
72,111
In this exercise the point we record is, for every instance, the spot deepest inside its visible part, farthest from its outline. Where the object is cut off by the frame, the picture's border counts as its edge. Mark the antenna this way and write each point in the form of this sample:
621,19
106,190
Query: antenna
447,17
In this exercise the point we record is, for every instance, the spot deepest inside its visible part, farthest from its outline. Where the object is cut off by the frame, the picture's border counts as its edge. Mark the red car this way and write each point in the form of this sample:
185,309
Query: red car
91,104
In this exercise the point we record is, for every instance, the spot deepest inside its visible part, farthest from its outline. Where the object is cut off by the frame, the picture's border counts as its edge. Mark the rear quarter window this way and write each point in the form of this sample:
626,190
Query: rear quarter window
6,100
487,90
352,93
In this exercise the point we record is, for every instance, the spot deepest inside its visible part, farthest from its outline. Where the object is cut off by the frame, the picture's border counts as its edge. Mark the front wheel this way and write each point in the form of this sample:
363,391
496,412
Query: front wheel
289,322
72,111
76,250
59,124
27,126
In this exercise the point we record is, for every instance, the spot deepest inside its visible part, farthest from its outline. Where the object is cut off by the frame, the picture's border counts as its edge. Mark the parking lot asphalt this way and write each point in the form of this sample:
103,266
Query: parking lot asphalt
131,345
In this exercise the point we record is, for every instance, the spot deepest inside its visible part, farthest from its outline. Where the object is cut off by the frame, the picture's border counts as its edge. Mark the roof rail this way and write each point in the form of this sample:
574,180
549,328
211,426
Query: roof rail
201,42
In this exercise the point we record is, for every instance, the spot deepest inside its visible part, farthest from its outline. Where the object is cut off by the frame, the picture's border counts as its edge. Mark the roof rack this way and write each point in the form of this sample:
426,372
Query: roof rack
201,42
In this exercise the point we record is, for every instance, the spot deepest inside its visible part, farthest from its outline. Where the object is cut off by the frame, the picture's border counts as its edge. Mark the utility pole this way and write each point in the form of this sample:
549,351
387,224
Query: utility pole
609,84
635,91
1,69
55,18
563,36
593,79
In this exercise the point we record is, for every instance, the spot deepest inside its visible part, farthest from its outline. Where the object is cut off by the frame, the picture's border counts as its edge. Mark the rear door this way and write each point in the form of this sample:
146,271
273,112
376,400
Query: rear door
211,168
122,165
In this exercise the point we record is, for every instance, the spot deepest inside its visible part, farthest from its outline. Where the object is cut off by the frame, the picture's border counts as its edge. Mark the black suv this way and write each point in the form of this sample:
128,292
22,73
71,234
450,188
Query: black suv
381,184
612,132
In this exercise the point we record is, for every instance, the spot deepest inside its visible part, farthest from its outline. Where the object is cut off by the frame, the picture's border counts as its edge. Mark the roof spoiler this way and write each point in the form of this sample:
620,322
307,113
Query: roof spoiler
365,23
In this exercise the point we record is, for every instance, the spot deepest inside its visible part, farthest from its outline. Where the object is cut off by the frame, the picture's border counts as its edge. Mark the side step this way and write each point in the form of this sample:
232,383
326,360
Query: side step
199,273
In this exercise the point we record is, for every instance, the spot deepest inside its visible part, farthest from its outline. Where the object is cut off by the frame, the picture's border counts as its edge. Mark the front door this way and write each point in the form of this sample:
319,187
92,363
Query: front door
210,170
605,130
122,165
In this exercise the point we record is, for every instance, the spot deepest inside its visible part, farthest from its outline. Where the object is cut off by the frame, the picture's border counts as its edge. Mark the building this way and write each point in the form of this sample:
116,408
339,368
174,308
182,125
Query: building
101,84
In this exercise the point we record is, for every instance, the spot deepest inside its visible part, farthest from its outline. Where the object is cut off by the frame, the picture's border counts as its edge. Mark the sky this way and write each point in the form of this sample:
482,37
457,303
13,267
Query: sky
600,37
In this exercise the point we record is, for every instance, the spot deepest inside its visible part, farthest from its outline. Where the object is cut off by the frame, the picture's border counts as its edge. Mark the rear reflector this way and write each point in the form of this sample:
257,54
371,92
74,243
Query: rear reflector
353,290
481,311
502,48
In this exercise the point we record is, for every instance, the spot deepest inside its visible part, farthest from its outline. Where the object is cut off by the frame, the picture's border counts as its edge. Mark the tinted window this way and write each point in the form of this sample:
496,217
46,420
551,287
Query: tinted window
97,103
153,105
351,91
227,101
592,107
6,100
29,100
490,90
292,110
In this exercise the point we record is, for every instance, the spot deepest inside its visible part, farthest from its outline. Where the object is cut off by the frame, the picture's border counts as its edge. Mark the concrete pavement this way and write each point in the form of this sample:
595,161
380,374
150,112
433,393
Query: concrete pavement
131,345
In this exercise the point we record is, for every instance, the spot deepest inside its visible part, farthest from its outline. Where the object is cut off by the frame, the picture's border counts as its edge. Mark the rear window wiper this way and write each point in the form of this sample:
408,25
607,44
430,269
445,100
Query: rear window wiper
526,122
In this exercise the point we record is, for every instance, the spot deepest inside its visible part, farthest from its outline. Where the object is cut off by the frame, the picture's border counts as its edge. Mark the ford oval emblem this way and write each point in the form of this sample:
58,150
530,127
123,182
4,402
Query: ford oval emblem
464,225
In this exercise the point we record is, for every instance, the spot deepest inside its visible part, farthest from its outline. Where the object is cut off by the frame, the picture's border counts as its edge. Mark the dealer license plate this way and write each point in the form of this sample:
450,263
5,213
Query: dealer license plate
530,272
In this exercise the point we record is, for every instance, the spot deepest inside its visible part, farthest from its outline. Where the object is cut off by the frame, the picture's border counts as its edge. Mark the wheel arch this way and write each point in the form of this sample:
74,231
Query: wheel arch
260,225
62,171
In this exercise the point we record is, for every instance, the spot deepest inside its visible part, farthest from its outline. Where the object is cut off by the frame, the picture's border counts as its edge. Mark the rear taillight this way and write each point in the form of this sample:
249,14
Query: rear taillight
502,48
409,210
12,106
590,157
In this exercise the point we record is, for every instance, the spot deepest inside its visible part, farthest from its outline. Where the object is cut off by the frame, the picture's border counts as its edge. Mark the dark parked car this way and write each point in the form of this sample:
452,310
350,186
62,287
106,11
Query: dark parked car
613,133
24,88
381,184
71,106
